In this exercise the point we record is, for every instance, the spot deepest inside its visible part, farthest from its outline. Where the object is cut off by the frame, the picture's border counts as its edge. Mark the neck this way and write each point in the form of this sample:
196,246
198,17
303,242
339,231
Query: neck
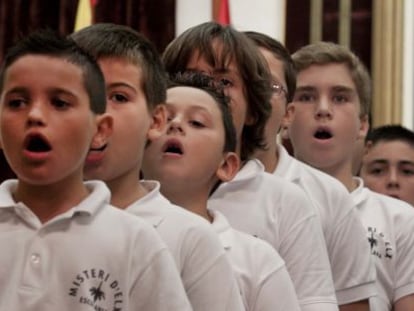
190,200
126,189
269,157
48,201
344,175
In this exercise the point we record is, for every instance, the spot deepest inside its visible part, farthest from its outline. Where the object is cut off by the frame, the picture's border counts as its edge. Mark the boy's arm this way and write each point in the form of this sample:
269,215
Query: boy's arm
159,286
406,303
207,274
155,283
276,291
404,283
353,269
303,249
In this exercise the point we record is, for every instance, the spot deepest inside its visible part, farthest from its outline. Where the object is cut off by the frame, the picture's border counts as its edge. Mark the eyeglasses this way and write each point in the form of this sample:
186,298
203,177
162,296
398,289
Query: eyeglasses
278,89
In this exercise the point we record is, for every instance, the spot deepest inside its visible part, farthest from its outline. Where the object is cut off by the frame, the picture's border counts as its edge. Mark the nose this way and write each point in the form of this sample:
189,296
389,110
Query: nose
36,115
392,182
175,126
323,108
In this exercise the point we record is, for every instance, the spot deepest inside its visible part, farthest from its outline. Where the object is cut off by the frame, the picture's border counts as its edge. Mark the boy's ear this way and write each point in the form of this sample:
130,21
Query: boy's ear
104,130
229,167
159,122
367,147
289,115
286,121
364,127
284,126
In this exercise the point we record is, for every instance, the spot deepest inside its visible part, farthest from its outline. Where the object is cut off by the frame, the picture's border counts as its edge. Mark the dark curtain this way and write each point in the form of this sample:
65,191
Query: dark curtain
153,18
20,17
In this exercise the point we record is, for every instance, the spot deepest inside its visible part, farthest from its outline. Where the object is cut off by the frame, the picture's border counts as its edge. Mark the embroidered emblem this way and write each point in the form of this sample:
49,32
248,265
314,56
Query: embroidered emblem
379,245
96,288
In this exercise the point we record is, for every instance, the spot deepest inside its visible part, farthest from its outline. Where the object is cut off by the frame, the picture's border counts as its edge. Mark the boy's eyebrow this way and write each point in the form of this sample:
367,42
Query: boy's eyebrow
222,70
378,161
405,162
61,91
193,107
18,89
342,88
336,88
227,70
307,88
24,90
120,84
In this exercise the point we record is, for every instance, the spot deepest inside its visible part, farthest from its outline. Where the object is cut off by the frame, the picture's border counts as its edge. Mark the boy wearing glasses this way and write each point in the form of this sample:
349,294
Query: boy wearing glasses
352,269
254,201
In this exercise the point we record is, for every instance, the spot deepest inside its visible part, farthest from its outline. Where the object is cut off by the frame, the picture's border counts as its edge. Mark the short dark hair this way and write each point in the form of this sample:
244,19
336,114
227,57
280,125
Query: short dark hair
49,43
388,133
206,83
106,40
281,53
253,69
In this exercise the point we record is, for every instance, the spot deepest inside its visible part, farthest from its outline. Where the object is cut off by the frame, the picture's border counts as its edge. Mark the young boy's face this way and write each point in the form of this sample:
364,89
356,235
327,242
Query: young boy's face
126,103
190,151
46,125
234,88
325,121
388,168
278,101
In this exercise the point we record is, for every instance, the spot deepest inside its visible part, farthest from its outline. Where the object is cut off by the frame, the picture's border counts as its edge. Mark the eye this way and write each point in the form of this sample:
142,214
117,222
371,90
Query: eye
304,97
118,98
407,172
340,98
224,82
197,124
60,104
277,89
376,171
170,116
15,103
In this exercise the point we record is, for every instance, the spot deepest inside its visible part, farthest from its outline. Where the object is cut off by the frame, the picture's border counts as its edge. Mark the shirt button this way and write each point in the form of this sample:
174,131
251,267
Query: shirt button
35,258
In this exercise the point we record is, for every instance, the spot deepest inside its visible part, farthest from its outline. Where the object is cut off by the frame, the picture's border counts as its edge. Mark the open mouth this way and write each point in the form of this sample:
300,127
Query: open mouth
99,149
322,134
174,147
37,143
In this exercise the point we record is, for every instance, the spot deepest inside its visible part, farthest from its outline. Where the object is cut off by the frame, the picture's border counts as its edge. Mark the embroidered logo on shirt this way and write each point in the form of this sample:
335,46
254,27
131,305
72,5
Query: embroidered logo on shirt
380,246
96,288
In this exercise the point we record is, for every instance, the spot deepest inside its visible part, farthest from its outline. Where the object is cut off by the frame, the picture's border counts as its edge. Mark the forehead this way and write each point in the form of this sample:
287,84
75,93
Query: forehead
192,98
394,150
119,68
325,76
44,71
218,63
276,66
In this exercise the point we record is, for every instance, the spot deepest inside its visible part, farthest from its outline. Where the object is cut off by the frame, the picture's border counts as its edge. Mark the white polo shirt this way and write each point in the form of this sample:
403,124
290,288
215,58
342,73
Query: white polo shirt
261,273
389,225
92,257
353,270
268,207
204,267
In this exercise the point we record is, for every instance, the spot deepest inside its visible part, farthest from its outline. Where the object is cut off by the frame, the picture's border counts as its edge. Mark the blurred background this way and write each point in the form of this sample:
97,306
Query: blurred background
380,32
